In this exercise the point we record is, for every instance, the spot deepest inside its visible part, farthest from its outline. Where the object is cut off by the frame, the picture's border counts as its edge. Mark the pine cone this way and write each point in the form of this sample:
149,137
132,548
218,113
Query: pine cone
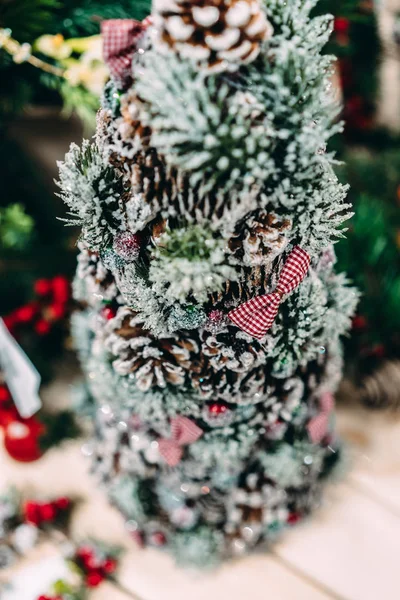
233,351
154,362
216,32
260,239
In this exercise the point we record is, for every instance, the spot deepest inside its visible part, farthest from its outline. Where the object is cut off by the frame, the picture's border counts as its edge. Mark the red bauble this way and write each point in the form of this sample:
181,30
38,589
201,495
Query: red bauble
42,287
21,439
94,579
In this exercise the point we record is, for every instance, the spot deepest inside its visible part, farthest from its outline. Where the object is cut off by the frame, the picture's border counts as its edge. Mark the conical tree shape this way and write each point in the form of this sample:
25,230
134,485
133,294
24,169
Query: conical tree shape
210,311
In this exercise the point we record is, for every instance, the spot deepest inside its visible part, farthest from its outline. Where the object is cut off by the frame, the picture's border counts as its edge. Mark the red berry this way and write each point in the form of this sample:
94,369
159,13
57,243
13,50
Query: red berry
31,512
341,25
47,512
61,289
108,312
62,503
5,395
25,313
42,287
10,322
42,327
109,565
293,518
94,579
359,323
158,538
217,409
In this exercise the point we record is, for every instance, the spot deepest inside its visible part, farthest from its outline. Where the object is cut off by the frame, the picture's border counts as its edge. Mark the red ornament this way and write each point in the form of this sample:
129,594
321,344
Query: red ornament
107,312
42,287
21,439
217,409
94,579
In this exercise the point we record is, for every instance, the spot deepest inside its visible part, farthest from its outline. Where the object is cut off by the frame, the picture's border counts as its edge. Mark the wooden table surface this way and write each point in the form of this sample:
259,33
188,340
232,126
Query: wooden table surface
349,550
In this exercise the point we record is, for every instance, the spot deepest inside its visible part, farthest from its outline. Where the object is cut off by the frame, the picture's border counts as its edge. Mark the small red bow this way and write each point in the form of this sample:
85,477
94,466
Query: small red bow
120,43
257,315
183,433
319,425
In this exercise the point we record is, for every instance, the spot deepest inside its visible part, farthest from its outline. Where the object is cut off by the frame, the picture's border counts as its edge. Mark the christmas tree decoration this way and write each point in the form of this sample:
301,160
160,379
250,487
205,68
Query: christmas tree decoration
210,314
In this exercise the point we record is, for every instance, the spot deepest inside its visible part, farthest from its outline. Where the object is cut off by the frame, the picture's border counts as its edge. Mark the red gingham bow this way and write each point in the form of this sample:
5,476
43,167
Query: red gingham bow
120,42
183,433
318,426
257,315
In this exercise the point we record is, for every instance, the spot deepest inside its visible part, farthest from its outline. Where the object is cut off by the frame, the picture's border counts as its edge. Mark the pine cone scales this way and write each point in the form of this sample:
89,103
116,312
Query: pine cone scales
153,362
260,239
221,31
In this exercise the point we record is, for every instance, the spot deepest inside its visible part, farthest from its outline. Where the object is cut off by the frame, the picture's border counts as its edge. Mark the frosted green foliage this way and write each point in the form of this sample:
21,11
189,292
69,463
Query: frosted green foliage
317,207
291,465
92,189
199,548
188,263
124,492
199,125
82,334
316,314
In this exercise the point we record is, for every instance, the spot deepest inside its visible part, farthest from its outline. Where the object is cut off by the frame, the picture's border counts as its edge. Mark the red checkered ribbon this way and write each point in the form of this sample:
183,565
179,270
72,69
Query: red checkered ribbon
258,314
318,427
120,42
183,433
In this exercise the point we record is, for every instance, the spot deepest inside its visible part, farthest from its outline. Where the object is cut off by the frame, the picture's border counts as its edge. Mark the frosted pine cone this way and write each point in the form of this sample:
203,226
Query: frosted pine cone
216,32
153,362
260,239
226,350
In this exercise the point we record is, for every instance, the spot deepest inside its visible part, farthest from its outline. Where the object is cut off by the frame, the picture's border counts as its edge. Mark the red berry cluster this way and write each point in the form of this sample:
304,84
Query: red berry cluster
42,513
95,568
49,306
44,597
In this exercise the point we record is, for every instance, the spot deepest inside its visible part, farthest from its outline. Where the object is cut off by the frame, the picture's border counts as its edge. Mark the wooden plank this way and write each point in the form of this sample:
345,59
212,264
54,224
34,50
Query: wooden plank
154,576
350,546
374,451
